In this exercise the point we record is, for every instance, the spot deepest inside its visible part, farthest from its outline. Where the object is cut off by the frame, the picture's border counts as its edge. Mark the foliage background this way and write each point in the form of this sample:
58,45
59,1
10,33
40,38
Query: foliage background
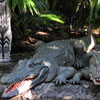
60,17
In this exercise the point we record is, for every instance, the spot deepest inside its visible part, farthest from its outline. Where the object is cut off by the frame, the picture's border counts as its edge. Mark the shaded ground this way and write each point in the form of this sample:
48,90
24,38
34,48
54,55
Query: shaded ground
84,91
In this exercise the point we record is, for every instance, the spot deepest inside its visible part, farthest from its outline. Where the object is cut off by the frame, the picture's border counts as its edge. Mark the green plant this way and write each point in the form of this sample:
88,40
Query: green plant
34,6
40,8
94,9
40,14
63,33
98,39
78,10
52,17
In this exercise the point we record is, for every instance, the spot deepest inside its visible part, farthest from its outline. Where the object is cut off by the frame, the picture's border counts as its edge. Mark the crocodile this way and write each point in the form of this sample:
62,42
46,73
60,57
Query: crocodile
51,62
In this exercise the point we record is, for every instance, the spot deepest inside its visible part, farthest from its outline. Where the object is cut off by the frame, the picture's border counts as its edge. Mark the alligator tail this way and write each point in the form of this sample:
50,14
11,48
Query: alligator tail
92,39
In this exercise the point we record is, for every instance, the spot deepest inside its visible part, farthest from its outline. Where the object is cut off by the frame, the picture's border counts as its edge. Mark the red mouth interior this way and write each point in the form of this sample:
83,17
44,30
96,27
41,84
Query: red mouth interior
17,84
98,81
13,87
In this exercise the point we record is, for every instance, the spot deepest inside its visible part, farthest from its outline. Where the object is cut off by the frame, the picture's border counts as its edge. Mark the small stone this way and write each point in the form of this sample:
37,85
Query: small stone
67,98
39,43
50,29
86,86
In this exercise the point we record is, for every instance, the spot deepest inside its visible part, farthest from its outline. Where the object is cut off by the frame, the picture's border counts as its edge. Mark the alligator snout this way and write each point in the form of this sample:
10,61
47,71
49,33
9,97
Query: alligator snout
28,83
96,79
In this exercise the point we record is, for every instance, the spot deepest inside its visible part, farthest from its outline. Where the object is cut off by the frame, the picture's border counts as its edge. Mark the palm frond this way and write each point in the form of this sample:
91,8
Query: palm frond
94,8
34,6
52,17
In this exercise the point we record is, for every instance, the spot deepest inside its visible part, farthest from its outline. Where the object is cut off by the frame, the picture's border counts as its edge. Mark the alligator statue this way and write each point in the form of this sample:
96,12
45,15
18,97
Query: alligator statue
51,62
91,72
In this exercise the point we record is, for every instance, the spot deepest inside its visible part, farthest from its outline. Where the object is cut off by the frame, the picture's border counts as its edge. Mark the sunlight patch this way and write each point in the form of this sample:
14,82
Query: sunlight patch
53,47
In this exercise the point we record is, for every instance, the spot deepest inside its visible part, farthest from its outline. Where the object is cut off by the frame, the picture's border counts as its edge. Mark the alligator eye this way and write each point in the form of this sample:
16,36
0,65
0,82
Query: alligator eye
31,64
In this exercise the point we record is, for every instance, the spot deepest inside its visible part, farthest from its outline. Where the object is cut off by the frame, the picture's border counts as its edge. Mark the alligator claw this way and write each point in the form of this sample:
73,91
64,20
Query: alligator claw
79,63
60,80
75,81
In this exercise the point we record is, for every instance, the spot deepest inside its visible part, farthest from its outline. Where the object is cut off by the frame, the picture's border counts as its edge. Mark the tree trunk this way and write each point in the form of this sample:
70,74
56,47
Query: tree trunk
5,32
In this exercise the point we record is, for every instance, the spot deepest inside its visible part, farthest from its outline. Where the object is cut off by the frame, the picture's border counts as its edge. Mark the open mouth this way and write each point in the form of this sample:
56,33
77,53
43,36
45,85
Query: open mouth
17,85
13,87
28,83
96,81
17,88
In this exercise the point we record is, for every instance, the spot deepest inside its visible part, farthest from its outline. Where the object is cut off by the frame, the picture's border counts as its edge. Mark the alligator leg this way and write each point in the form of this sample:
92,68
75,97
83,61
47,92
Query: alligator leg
79,55
63,74
26,84
76,78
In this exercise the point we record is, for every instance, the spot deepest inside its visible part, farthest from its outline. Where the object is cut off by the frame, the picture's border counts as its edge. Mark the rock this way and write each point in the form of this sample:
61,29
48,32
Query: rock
39,43
86,86
67,97
49,28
